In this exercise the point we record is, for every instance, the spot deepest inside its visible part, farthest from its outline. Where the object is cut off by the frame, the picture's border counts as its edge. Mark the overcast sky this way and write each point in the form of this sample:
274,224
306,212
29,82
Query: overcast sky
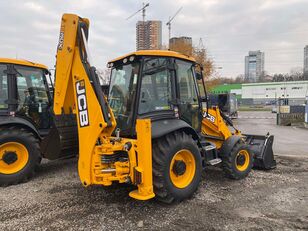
229,29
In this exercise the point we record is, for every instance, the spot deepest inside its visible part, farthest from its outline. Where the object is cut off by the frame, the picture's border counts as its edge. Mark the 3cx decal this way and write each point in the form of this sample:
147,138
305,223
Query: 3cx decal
61,38
82,104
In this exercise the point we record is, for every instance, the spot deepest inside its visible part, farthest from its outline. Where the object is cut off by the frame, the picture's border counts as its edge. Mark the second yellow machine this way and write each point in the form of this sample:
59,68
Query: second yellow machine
153,130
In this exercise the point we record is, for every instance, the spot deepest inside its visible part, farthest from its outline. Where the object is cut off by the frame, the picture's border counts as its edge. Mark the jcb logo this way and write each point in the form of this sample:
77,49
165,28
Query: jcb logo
82,104
209,117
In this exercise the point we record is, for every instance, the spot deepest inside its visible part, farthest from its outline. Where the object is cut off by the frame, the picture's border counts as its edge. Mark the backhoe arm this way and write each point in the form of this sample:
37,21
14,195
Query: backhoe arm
74,91
102,158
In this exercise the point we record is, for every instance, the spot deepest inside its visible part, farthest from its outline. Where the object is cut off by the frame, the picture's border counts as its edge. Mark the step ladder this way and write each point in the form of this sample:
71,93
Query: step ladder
210,155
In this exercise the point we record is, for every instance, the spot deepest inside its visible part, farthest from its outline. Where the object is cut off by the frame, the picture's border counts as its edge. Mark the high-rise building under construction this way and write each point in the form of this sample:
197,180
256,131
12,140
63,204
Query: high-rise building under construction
148,35
306,62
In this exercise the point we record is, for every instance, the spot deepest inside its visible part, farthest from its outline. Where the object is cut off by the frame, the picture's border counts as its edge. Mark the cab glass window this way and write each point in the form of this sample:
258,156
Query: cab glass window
188,93
155,92
122,93
201,88
189,106
32,96
30,86
3,87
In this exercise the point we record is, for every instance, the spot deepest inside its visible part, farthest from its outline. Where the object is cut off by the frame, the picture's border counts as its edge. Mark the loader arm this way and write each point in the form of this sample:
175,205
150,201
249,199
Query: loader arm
102,158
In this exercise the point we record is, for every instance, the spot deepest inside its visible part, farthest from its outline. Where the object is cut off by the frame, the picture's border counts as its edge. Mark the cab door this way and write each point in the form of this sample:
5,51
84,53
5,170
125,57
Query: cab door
32,96
187,93
4,93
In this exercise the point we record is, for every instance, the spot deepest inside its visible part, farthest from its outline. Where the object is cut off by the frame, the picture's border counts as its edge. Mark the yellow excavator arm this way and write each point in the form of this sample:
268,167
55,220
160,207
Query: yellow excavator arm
103,158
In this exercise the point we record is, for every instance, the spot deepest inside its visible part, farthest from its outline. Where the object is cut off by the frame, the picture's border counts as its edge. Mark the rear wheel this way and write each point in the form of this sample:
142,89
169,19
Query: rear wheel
176,167
238,163
19,155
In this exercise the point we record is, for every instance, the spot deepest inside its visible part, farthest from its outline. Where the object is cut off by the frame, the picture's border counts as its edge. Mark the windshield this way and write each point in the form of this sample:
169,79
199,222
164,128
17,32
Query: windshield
122,93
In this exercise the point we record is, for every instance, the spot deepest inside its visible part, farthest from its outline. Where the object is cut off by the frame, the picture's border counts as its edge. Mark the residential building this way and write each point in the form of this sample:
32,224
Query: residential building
254,66
181,44
148,35
183,40
306,62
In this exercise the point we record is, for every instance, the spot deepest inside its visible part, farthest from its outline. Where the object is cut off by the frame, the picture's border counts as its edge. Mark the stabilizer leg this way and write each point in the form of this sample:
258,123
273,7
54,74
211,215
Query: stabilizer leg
143,172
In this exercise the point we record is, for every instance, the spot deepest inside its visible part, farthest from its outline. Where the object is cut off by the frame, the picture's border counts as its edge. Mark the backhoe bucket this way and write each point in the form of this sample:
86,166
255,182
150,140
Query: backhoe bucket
62,139
262,148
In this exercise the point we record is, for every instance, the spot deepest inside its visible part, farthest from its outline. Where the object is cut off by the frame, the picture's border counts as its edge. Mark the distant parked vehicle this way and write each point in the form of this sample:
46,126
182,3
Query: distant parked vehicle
274,109
227,103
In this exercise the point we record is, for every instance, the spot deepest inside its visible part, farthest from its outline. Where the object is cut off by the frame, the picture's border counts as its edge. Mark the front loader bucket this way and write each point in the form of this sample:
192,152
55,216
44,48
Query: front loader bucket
262,148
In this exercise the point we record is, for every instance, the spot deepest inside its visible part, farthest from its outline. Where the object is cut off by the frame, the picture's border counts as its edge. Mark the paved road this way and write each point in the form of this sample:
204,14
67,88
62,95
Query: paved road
288,140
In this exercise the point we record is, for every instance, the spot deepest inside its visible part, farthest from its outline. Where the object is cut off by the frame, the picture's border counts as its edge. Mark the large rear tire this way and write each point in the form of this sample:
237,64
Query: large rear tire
19,155
176,167
238,163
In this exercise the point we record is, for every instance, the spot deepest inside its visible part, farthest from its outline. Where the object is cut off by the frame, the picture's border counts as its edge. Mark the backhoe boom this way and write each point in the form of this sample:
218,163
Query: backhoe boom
102,158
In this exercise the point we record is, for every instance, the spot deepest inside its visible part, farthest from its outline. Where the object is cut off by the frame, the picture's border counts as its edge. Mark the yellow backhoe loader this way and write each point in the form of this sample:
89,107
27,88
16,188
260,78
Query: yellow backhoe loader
154,131
25,99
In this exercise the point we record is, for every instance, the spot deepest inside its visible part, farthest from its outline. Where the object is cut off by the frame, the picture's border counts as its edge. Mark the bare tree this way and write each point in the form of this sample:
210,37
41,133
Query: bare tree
104,76
296,73
199,53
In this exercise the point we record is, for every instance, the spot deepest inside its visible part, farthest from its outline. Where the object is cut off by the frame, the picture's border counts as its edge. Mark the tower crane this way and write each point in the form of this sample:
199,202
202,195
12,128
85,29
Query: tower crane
143,11
170,20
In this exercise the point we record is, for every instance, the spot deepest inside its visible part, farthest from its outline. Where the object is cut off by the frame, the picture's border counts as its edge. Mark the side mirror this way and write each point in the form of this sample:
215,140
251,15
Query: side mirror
198,76
203,99
48,72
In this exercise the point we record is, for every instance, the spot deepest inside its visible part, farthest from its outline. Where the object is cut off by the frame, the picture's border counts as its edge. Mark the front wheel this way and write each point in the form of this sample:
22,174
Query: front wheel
238,163
19,155
176,167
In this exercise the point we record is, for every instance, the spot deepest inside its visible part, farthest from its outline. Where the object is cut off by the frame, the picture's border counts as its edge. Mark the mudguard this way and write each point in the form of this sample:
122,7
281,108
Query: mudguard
165,126
228,145
16,121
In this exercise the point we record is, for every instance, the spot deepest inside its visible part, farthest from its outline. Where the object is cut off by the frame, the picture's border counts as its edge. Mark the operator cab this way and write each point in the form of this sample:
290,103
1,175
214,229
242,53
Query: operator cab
24,92
157,85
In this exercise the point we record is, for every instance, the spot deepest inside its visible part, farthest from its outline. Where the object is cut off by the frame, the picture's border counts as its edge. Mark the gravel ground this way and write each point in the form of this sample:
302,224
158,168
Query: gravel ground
265,200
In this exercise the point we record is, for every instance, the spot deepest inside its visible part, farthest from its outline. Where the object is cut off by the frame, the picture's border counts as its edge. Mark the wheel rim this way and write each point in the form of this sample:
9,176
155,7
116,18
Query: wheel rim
242,160
182,168
13,157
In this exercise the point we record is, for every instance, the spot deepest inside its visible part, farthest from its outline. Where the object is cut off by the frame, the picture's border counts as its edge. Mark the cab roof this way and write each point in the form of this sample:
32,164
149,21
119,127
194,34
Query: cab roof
23,62
162,53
